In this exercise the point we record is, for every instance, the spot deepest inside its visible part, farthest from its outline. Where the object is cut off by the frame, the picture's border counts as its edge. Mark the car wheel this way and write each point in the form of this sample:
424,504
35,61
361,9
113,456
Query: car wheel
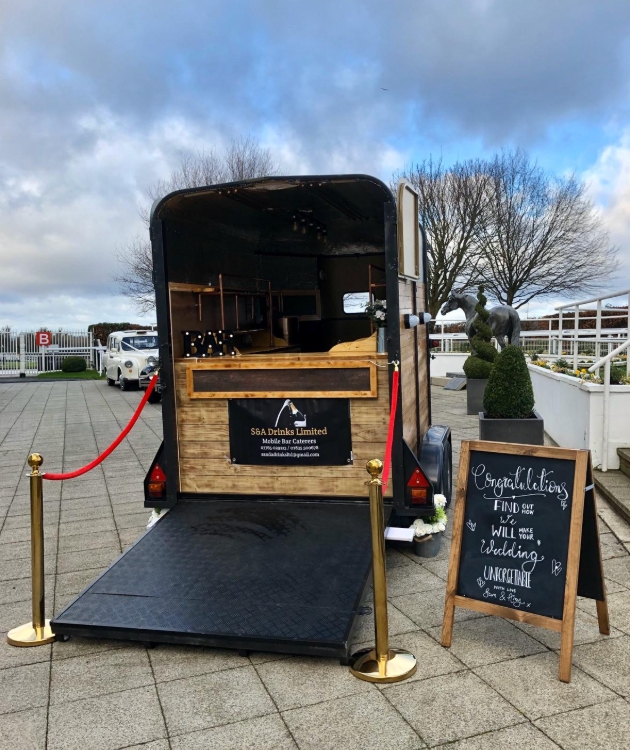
110,381
128,385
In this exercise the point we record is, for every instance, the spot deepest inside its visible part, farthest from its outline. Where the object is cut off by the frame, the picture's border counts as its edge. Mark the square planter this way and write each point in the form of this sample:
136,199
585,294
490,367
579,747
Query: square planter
530,431
474,395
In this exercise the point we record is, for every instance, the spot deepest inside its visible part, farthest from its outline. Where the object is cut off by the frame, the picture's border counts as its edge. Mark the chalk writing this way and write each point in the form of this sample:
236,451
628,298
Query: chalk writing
515,537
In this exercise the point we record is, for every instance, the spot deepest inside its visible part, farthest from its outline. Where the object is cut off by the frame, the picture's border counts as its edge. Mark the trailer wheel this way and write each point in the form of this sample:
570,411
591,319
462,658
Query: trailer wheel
155,397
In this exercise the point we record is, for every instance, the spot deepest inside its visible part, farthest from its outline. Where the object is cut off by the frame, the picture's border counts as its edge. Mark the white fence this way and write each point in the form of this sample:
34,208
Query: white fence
20,355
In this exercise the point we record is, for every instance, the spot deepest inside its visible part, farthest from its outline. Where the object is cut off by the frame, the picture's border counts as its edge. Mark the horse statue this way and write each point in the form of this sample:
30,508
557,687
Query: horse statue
503,319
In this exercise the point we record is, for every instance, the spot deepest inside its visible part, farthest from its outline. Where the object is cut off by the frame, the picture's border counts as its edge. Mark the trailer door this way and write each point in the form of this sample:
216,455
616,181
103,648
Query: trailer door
414,379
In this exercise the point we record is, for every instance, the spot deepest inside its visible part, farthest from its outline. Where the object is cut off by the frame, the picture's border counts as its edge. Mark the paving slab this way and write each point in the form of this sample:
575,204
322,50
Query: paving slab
586,630
356,722
88,513
617,569
108,722
19,589
24,687
531,685
611,546
602,727
451,707
73,562
618,609
92,539
426,610
213,699
411,579
298,682
265,733
71,584
217,699
13,615
489,639
20,569
615,487
177,662
608,661
437,567
98,674
613,521
24,730
520,737
10,656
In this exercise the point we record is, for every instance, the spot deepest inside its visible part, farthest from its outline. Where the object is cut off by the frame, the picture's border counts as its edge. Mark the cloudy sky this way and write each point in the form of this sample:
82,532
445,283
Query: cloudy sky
97,100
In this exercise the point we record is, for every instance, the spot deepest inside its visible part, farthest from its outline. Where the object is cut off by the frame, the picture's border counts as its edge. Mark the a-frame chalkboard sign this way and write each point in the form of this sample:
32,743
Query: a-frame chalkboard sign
525,539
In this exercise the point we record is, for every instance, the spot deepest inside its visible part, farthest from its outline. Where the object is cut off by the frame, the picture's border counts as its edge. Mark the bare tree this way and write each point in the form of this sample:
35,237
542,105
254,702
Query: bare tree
452,204
135,277
541,236
243,159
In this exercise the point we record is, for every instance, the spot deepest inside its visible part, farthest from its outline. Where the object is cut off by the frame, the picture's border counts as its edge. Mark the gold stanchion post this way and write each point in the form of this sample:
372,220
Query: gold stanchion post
380,664
37,632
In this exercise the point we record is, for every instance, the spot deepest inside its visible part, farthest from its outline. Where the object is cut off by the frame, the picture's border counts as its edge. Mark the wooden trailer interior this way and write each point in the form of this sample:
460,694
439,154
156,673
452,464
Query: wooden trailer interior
279,265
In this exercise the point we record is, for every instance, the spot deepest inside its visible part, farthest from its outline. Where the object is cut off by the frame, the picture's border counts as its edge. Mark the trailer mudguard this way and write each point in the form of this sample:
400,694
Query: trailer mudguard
436,459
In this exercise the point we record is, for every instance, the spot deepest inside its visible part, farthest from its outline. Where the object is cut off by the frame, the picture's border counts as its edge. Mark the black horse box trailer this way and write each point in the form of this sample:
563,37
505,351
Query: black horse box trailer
274,396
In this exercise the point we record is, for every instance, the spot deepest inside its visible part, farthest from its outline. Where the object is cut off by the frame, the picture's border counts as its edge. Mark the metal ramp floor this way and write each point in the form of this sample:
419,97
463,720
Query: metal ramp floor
273,575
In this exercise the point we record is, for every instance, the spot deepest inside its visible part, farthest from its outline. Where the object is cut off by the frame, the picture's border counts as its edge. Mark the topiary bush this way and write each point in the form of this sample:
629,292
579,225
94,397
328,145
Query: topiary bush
509,393
479,364
74,364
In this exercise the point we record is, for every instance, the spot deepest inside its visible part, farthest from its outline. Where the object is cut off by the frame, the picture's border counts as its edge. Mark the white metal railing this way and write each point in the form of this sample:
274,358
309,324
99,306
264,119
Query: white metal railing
575,306
605,362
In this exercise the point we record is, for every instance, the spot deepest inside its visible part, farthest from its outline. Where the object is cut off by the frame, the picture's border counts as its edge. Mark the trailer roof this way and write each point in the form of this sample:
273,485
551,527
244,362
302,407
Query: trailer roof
326,214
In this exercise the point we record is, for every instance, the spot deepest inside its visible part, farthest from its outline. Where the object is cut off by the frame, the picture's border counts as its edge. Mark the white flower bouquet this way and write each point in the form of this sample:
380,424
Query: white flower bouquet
433,524
377,312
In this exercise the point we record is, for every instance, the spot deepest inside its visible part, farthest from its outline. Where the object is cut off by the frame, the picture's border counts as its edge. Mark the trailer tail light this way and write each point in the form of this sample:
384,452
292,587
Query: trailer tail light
157,483
418,488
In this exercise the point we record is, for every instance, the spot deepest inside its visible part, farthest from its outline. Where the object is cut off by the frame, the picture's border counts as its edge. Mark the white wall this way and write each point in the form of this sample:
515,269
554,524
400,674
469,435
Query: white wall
573,413
447,362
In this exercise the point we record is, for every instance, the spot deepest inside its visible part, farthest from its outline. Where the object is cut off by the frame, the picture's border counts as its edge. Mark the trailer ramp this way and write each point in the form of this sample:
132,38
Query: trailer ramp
269,575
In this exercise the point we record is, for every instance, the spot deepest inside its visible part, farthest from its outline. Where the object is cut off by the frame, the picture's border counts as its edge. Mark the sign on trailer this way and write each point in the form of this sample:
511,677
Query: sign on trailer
525,539
290,432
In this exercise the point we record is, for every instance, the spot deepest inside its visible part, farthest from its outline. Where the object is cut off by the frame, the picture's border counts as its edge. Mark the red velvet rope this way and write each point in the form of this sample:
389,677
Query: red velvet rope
116,442
390,430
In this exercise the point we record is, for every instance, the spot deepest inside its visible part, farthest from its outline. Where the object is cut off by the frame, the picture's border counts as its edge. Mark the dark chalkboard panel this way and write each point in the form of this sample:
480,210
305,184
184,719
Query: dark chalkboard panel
525,539
515,538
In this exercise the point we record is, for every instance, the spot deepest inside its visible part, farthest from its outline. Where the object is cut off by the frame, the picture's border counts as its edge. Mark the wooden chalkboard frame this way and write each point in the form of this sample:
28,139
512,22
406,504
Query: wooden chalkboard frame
583,500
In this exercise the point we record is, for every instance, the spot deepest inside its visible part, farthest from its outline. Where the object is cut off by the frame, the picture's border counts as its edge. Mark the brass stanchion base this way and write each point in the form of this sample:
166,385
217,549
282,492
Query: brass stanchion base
400,665
27,635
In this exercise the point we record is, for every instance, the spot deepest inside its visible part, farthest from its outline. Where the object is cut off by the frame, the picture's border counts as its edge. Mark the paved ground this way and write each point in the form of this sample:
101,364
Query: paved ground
496,687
